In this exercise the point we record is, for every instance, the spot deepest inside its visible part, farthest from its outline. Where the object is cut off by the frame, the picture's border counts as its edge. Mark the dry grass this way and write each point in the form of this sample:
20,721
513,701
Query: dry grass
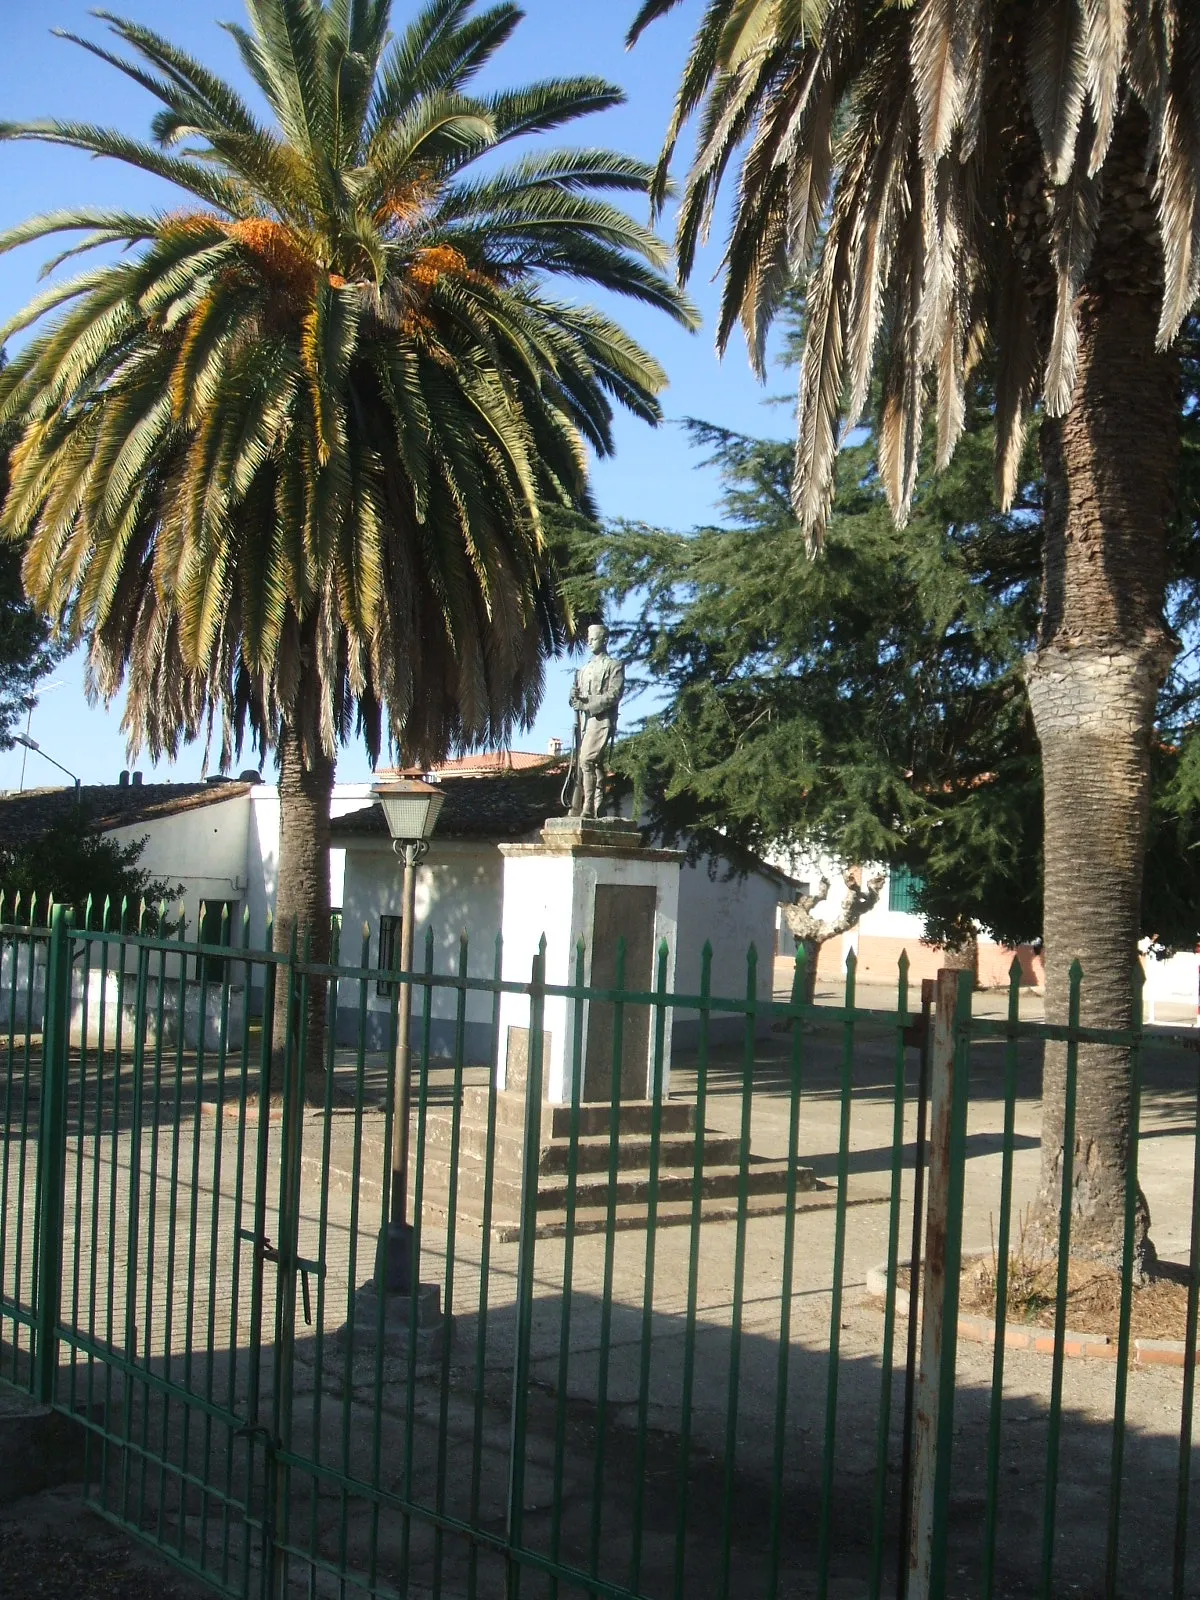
1158,1309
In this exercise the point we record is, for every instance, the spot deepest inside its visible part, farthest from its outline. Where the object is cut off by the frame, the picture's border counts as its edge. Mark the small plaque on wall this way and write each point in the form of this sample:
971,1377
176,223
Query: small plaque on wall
516,1077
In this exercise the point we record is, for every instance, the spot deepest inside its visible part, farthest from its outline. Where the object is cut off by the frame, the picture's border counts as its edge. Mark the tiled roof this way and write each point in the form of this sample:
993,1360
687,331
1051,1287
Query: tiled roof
500,808
29,815
489,764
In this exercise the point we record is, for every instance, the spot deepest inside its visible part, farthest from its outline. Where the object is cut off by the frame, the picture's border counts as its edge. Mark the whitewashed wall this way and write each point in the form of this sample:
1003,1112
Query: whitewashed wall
733,913
458,891
204,848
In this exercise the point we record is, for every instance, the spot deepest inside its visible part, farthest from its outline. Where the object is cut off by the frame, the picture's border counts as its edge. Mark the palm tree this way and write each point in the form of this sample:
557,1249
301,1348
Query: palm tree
961,180
284,462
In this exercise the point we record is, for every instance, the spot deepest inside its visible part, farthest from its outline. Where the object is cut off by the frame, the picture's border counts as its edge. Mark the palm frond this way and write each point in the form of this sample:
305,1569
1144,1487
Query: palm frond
1057,74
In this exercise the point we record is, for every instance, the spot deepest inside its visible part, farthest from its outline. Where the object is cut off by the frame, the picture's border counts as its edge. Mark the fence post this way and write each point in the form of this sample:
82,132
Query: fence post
933,1444
522,1355
51,1170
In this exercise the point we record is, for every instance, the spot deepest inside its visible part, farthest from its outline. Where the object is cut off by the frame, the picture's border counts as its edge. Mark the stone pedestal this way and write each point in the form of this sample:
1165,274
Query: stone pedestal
589,879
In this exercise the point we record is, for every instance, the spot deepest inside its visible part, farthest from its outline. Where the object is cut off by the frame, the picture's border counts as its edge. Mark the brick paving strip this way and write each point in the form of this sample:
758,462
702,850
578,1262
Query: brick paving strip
1021,1336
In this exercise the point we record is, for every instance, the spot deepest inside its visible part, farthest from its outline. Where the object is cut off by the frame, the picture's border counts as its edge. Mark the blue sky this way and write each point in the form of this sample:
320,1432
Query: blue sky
654,475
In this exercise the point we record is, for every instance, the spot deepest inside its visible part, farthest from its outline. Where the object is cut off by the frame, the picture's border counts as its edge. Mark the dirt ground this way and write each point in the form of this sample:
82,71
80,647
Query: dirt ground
52,1548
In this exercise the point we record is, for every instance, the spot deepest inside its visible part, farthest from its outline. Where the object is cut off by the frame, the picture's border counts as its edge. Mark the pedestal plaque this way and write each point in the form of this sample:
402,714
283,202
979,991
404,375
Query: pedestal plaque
622,911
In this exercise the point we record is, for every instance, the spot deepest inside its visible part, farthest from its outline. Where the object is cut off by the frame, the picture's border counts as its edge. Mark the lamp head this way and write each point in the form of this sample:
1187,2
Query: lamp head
410,807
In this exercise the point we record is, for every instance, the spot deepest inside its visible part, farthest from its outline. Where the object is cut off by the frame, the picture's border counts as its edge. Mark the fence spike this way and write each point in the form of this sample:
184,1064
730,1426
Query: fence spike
2,905
799,967
752,972
124,912
105,913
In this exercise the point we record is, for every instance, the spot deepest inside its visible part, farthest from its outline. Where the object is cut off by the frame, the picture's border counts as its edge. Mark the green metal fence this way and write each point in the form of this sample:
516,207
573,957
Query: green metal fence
641,1359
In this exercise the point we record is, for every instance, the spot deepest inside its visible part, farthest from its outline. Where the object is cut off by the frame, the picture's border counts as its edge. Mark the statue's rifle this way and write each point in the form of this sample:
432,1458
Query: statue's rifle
574,775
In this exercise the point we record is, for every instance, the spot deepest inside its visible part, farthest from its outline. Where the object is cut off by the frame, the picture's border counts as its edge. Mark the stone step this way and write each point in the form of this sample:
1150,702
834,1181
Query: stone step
678,1116
670,1214
591,1190
632,1186
633,1149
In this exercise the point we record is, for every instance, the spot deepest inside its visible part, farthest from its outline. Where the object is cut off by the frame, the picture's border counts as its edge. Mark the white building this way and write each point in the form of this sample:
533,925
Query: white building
894,925
220,842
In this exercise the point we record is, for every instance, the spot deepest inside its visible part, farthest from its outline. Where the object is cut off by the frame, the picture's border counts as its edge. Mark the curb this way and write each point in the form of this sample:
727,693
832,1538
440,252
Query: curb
1040,1341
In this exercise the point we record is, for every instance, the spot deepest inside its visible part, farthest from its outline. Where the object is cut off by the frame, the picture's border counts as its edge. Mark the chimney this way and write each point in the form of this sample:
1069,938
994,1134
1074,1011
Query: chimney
136,780
123,780
555,747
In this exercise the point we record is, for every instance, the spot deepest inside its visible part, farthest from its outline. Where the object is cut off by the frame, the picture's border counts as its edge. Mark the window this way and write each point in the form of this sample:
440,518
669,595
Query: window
217,918
389,950
903,888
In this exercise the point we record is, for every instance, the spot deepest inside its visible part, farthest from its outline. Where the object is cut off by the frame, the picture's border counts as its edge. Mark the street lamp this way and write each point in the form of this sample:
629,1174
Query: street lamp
32,744
410,808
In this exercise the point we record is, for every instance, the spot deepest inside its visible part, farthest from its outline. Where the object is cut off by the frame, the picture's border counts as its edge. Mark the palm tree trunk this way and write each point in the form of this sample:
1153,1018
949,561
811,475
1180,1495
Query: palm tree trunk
302,890
1103,651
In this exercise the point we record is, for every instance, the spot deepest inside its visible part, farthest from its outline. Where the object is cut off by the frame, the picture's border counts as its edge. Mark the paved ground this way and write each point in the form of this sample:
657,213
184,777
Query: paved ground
353,1418
52,1548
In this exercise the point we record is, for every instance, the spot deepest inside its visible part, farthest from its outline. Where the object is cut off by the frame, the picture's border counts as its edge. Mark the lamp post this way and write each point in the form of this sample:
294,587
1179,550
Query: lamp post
32,744
410,808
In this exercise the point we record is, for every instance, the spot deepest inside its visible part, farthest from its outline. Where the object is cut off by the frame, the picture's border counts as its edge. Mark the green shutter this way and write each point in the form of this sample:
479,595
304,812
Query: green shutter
903,889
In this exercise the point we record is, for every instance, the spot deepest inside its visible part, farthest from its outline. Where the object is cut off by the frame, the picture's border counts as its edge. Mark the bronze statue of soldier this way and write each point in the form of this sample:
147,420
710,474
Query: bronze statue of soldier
595,697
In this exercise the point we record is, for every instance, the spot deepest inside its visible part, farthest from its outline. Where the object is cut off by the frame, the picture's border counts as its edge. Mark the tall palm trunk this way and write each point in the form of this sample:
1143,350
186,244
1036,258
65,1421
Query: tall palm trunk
302,889
1111,472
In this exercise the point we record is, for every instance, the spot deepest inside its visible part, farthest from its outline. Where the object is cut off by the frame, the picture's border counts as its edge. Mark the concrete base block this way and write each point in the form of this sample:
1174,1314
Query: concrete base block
39,1447
432,1332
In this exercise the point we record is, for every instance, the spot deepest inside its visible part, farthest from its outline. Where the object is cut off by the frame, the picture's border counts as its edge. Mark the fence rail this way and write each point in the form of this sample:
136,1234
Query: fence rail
639,1359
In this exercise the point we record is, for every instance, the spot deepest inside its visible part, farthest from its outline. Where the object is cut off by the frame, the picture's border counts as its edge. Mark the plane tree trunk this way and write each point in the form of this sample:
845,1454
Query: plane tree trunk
811,932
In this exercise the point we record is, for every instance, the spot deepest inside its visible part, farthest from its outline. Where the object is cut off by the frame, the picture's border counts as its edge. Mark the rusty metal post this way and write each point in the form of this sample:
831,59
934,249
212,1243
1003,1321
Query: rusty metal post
934,1432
